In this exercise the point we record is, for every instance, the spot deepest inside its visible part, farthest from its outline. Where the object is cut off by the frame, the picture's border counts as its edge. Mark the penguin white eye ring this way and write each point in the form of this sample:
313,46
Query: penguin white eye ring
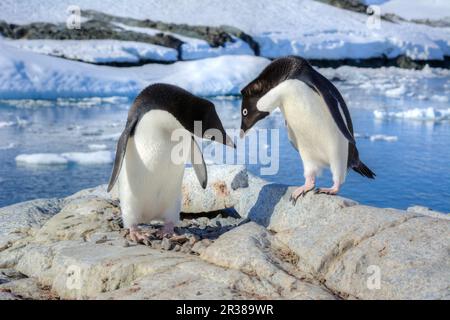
148,181
244,112
317,118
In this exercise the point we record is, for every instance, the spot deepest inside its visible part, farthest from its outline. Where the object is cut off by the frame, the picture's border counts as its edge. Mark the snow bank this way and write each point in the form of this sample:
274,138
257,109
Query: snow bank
82,158
417,9
308,28
27,75
193,48
428,114
98,51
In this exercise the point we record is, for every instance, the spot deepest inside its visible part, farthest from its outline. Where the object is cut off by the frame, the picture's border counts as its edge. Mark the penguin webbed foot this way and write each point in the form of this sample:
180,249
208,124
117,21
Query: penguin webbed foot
147,236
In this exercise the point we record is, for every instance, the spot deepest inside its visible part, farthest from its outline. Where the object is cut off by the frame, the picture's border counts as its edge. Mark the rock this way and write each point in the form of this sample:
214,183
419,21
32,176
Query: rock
324,247
79,219
428,212
8,275
222,191
6,295
27,288
28,214
252,250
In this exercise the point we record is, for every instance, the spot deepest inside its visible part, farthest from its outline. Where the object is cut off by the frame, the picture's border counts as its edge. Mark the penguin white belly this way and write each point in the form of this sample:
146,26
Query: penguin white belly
149,181
313,130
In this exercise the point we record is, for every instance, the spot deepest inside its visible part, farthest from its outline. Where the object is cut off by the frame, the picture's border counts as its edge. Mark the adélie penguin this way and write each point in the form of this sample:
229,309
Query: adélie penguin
147,170
317,119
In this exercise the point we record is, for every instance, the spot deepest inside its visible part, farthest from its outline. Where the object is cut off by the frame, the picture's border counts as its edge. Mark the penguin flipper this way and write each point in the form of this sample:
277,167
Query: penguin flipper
121,149
332,98
198,163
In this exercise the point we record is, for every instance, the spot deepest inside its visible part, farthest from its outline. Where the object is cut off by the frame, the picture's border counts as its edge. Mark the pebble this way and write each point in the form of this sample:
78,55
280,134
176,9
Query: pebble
166,244
156,244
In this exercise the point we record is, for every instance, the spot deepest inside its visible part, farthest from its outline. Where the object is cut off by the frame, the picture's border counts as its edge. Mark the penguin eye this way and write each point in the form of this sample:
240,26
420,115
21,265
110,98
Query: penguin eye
244,112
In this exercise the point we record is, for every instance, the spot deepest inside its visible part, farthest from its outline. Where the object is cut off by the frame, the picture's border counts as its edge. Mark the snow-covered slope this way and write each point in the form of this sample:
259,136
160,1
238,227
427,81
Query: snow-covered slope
303,27
27,75
98,51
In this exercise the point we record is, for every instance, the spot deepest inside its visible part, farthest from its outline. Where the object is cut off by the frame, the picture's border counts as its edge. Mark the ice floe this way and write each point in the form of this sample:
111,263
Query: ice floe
81,158
97,146
10,145
4,124
19,122
383,137
425,114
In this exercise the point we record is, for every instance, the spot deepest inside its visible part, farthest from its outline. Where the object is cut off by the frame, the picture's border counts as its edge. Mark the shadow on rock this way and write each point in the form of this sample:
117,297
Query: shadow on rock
269,196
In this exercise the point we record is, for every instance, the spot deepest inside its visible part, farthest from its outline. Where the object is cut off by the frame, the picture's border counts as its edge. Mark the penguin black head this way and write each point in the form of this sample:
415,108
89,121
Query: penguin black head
190,111
249,112
276,72
212,128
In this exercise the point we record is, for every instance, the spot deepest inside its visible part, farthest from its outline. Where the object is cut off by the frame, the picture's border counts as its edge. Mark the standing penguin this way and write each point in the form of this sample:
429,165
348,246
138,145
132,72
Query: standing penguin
317,119
148,179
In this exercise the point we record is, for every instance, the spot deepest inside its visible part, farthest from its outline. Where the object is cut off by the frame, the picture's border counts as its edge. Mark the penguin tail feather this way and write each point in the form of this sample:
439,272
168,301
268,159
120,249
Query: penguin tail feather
363,170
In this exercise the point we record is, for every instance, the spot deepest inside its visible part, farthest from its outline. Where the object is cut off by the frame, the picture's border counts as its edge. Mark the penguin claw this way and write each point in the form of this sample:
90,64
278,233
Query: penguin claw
294,199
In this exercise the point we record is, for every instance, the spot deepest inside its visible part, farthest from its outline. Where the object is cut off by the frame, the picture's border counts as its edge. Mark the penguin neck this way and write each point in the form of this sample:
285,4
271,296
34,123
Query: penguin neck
275,97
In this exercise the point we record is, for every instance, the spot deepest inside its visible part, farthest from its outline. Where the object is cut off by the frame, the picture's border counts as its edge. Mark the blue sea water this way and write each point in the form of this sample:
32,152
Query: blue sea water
414,170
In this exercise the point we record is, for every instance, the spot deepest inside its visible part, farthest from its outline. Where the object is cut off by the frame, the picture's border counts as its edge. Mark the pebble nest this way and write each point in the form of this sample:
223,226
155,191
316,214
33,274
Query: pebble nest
193,233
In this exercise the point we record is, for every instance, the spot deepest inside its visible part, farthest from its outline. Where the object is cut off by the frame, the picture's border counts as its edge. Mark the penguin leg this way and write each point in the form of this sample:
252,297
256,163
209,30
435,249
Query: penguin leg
171,217
310,182
338,180
131,217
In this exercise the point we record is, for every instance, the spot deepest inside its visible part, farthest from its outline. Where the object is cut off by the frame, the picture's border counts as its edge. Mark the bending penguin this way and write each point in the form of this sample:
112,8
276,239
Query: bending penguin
147,176
317,119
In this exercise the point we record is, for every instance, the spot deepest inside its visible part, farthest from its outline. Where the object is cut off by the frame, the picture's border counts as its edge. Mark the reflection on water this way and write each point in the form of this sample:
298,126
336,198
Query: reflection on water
413,170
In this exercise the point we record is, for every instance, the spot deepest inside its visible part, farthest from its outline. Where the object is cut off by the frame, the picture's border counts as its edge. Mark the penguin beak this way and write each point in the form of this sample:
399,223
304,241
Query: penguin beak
229,141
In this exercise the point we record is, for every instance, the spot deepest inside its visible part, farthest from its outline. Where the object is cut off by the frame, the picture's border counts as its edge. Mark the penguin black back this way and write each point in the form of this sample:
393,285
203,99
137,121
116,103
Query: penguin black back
183,105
